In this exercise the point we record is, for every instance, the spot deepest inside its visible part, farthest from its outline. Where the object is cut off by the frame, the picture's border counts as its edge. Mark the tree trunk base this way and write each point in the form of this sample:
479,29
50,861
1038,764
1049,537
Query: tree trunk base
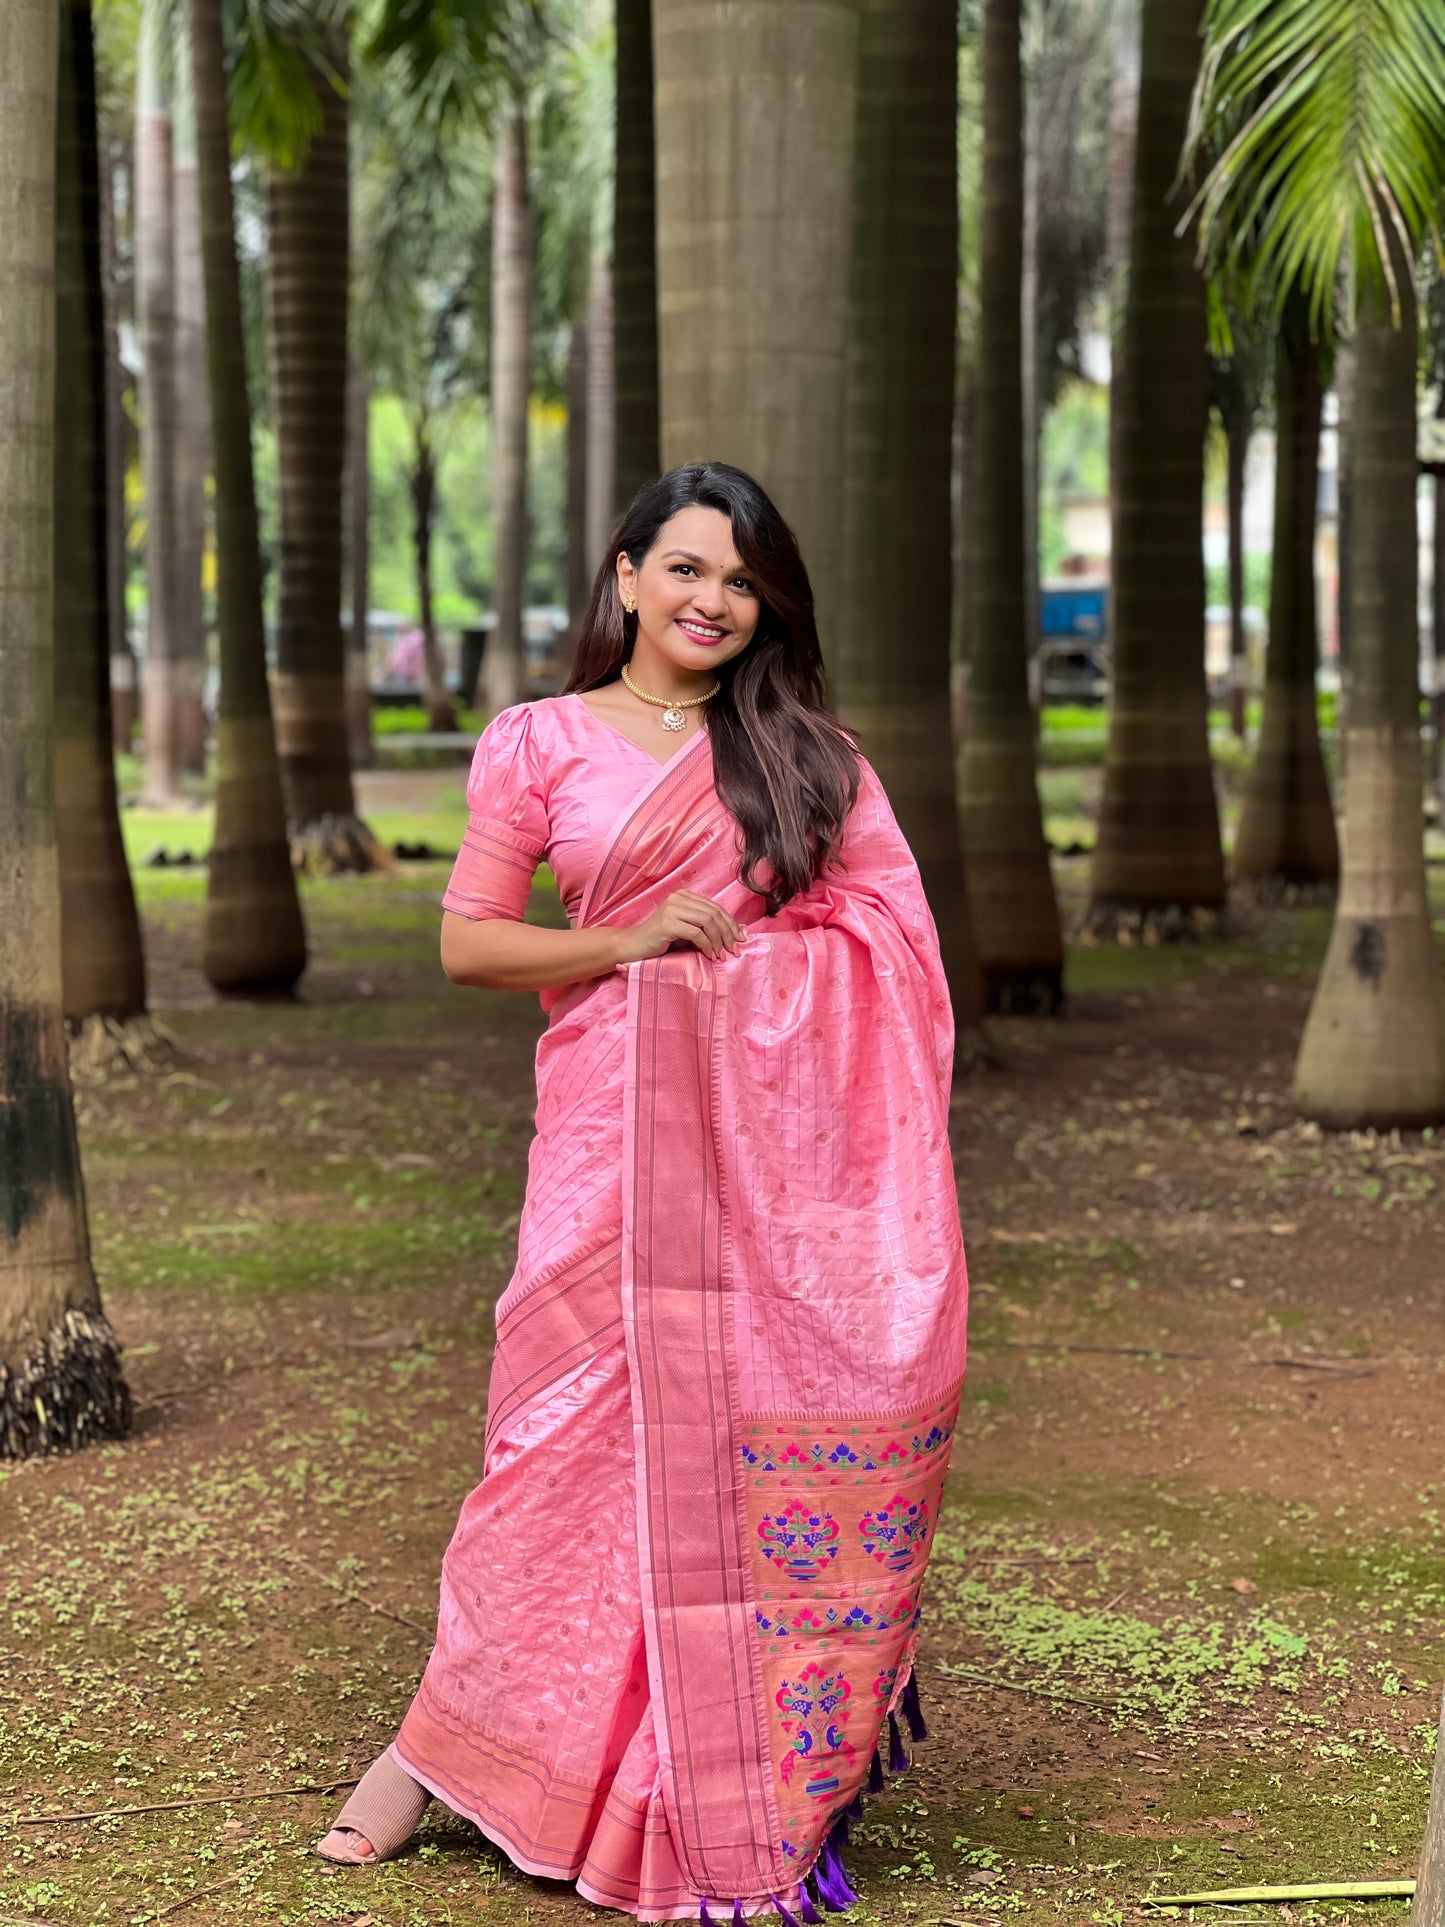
1284,893
1029,992
68,1393
973,1051
101,1046
1127,924
334,844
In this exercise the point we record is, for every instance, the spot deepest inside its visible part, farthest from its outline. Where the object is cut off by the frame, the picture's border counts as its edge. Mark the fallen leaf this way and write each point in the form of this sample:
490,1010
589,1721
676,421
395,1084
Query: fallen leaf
1283,1230
985,1877
1026,1813
1244,1585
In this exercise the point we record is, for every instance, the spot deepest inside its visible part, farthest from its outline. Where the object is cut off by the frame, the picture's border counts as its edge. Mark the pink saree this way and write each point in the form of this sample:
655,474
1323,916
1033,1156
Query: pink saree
680,1610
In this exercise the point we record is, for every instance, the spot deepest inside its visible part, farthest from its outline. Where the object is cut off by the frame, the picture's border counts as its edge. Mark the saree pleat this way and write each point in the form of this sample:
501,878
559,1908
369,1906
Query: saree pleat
680,1607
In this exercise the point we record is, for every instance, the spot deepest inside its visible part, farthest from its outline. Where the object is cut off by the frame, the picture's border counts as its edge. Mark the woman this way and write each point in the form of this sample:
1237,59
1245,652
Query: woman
682,1603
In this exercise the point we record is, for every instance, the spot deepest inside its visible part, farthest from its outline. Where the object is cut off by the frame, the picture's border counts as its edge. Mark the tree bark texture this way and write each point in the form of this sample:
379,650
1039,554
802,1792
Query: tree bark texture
505,662
634,257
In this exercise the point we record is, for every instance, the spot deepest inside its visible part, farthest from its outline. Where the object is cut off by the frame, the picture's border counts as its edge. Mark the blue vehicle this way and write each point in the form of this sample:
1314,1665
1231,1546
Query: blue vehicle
1071,662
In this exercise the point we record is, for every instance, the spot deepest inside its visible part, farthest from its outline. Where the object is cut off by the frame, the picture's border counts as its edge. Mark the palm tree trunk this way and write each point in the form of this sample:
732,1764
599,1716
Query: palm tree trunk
965,526
505,662
1010,884
1286,846
155,300
602,509
1159,867
754,214
1347,385
102,964
60,1378
1373,1051
634,257
254,938
124,704
896,519
309,304
440,714
1437,626
579,575
193,441
358,523
1236,442
1123,138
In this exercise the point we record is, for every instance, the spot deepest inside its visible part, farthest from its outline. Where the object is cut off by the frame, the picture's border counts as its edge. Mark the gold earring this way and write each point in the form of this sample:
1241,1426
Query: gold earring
630,605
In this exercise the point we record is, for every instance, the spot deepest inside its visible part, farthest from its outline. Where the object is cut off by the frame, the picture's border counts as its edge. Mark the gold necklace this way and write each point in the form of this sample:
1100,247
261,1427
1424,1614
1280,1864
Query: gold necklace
672,708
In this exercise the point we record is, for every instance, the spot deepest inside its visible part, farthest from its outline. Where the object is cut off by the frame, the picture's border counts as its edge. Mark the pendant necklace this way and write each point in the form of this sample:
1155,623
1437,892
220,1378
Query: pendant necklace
674,710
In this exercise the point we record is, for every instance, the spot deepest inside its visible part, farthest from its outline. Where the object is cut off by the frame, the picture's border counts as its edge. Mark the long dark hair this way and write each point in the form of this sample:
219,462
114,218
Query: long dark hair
783,766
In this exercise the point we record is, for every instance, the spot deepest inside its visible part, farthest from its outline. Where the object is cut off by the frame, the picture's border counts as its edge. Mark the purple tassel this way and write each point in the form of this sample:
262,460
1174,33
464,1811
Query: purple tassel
831,1876
809,1911
788,1920
737,1913
854,1810
875,1773
897,1757
704,1918
913,1709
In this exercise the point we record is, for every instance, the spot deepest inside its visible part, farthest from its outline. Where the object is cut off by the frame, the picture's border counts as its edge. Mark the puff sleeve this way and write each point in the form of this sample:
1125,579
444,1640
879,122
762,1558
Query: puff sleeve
507,830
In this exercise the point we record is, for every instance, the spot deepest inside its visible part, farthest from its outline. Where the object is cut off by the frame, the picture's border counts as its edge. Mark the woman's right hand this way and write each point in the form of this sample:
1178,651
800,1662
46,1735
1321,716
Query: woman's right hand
684,917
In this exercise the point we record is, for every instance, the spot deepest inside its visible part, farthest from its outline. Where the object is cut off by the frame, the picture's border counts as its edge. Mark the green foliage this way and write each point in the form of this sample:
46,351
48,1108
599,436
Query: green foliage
1321,122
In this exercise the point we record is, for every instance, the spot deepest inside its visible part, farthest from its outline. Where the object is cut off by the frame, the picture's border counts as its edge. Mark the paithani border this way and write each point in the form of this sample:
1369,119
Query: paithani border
707,1683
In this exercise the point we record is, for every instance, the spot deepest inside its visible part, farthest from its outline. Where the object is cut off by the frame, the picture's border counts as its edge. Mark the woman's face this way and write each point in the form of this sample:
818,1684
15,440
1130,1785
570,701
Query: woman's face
696,605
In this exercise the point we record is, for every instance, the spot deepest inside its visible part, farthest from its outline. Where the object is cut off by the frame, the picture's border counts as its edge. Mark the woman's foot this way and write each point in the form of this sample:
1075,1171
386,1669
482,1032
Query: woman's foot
379,1818
347,1847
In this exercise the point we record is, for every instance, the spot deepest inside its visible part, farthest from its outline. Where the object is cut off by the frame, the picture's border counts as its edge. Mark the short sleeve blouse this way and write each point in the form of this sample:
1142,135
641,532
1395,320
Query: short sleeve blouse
507,828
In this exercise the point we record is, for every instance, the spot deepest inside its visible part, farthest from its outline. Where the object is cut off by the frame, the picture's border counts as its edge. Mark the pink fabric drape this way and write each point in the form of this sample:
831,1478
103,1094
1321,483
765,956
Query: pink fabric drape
683,1601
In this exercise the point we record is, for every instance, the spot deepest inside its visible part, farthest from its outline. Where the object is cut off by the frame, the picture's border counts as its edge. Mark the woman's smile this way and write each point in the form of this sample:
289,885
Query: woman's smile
706,633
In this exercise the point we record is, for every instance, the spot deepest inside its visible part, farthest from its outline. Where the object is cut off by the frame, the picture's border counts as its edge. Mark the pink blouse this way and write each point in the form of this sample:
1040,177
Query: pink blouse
549,782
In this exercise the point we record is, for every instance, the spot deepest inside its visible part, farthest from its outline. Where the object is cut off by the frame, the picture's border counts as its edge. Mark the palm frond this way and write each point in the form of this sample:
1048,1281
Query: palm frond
1320,128
278,60
458,52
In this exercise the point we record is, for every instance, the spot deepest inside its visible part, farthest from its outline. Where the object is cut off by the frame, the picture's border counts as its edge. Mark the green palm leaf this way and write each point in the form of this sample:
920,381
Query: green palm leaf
1322,127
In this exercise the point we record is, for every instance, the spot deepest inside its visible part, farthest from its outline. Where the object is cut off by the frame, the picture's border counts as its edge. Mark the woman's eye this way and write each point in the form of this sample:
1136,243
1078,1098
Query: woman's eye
741,582
683,568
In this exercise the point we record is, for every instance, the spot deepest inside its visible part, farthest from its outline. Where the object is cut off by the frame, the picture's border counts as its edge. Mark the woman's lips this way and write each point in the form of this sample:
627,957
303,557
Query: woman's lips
707,636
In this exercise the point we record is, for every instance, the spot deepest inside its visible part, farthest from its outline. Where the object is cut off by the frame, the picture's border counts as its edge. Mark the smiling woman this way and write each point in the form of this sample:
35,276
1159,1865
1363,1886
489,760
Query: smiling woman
680,1609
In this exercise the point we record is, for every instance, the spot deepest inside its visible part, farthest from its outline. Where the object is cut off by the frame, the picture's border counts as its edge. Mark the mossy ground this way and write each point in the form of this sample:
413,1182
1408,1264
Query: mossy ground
1187,1619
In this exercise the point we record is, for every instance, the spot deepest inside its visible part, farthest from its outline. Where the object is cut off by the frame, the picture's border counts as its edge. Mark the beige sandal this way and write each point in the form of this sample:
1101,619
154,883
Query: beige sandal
380,1817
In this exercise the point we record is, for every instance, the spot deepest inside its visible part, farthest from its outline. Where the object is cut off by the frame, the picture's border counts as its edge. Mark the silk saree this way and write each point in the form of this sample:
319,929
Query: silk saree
679,1613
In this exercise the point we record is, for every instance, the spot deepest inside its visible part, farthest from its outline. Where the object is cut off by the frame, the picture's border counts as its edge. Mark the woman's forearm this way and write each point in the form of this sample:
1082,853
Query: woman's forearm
498,954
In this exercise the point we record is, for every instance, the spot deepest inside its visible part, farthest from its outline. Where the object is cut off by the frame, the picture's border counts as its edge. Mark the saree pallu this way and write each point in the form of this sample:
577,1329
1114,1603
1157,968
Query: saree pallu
682,1605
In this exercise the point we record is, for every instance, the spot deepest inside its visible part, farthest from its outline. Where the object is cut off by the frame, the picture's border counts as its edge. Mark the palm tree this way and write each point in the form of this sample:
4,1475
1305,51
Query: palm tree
358,564
754,219
1286,844
1365,148
193,427
60,1378
103,972
1236,397
897,570
1159,868
309,276
512,277
1010,885
155,300
254,934
634,256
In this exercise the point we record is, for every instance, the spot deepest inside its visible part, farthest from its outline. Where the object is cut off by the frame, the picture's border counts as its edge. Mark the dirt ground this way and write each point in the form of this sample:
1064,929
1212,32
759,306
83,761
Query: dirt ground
1184,1627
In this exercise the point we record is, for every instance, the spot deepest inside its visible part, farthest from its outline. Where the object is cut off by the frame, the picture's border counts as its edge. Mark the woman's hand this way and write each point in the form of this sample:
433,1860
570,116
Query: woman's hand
684,917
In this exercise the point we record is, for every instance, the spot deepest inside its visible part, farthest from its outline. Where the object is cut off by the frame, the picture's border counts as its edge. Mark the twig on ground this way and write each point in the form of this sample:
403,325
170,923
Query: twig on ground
201,1893
1307,1890
26,1920
1021,1686
171,1806
337,1585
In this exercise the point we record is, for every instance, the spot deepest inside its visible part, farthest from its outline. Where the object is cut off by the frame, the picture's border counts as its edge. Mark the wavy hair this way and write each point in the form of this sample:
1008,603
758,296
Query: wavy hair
784,766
